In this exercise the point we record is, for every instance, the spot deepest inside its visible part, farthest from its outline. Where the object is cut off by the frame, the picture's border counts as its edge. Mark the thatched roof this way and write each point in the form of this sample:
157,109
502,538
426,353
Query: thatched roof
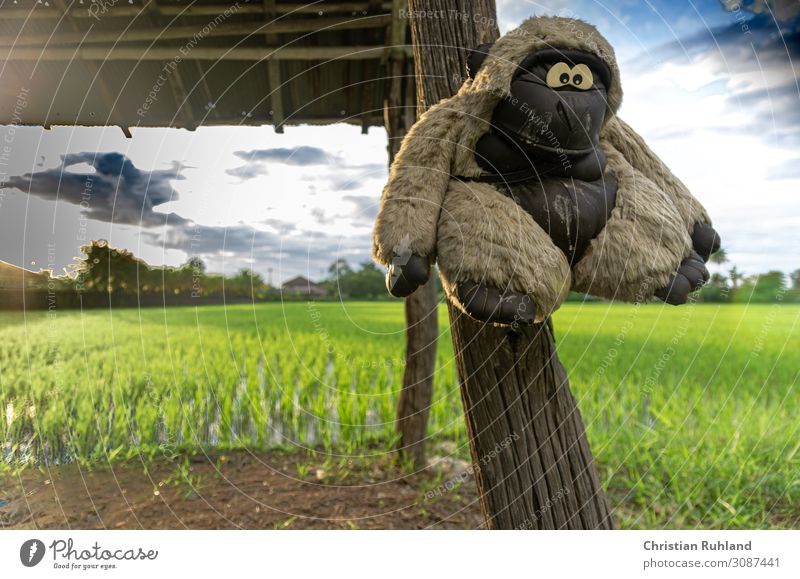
168,63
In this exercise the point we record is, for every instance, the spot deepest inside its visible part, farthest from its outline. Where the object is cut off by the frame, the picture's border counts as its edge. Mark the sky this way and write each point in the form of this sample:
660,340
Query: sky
711,86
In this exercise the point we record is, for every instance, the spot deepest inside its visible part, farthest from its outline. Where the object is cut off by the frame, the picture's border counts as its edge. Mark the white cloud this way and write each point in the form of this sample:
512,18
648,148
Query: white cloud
722,122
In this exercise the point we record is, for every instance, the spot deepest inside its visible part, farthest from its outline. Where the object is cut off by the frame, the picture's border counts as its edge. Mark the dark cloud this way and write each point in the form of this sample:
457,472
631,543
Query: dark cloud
247,172
780,9
282,227
765,51
366,207
765,41
353,176
345,182
372,169
116,192
321,217
257,160
768,52
300,156
230,248
365,213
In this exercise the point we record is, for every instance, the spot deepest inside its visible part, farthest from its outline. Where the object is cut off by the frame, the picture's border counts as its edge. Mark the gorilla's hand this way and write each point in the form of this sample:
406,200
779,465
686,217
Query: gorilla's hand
705,240
491,305
406,273
691,274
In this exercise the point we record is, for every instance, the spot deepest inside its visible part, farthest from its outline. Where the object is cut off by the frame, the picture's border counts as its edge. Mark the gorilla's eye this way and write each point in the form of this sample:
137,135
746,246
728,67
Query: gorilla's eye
558,75
582,77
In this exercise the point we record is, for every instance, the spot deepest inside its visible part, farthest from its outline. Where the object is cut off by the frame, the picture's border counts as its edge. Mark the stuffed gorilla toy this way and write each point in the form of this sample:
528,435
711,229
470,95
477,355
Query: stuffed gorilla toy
525,185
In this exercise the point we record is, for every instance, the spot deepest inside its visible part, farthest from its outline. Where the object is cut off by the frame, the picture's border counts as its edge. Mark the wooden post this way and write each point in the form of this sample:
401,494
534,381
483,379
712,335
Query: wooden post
273,70
532,462
421,307
413,405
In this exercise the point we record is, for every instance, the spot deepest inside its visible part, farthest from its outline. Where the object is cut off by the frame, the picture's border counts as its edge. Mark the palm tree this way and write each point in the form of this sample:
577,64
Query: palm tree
795,277
735,276
720,257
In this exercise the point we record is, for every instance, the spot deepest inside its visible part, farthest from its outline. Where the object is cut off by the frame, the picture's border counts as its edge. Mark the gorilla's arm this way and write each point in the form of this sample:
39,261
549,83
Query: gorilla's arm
404,238
633,147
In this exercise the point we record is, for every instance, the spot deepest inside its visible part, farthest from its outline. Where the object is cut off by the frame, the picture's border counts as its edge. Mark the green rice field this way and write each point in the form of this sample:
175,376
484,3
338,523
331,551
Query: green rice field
693,413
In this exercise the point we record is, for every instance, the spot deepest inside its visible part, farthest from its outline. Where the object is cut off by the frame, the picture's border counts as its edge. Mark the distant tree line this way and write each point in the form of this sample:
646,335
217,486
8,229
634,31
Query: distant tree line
368,282
106,269
735,287
106,275
769,287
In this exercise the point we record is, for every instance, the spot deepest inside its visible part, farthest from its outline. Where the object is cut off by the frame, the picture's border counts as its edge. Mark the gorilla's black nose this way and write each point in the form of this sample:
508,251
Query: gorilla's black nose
564,115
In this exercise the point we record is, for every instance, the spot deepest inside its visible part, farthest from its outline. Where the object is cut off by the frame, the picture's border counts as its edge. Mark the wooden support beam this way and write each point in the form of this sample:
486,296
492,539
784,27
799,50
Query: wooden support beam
397,33
203,81
216,53
182,99
225,121
176,84
293,120
96,10
365,97
121,35
273,70
94,69
275,95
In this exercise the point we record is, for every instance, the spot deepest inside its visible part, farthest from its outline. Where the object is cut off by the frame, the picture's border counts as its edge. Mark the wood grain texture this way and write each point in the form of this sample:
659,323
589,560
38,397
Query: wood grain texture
415,399
533,464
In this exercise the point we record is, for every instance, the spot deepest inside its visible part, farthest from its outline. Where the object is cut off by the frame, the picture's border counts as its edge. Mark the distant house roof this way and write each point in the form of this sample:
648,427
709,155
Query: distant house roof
13,277
303,285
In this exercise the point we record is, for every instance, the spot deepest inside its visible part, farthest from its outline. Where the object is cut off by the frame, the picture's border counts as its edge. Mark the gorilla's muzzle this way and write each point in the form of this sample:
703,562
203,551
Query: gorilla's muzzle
550,121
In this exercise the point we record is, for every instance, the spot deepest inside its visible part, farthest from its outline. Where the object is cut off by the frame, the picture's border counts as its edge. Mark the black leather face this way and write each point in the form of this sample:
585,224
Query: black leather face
556,107
507,159
552,120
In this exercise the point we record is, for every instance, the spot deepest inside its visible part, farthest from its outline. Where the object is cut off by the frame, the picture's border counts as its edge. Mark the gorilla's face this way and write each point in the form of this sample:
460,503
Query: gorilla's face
557,103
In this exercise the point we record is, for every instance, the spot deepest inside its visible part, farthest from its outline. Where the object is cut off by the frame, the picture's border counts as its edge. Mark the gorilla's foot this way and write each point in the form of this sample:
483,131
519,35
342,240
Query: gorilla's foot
691,275
491,305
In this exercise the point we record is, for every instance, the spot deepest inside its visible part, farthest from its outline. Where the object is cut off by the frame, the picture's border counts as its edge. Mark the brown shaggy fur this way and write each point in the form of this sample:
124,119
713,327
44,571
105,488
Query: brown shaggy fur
643,242
488,237
479,234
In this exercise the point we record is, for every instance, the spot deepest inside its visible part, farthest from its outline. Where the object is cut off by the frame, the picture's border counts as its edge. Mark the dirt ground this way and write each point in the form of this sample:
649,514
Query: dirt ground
241,490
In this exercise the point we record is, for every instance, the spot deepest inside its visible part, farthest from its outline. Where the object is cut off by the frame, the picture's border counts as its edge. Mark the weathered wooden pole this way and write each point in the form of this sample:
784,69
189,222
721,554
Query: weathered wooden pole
421,307
532,462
